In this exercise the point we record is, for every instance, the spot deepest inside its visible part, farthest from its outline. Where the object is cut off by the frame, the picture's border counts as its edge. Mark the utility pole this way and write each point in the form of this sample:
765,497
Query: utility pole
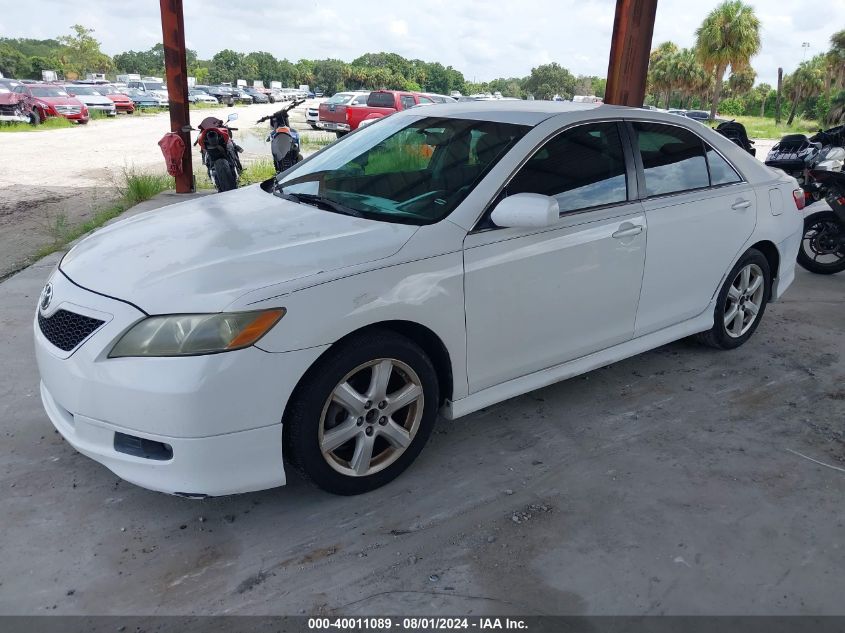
777,100
630,46
176,70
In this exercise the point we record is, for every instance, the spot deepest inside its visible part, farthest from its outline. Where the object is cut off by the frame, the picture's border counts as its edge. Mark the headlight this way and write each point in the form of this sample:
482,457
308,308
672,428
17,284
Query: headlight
193,334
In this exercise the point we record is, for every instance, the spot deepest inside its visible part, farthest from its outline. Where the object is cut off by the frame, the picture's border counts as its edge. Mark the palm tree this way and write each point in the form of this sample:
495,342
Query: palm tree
762,90
835,61
741,81
660,74
691,74
806,81
729,36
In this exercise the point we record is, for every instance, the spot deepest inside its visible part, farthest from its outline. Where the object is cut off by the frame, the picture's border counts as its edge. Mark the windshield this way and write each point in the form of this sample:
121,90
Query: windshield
83,90
340,97
153,86
42,91
414,170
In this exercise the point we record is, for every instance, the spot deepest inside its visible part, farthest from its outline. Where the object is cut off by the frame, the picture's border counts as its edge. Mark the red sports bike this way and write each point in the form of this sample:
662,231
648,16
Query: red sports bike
220,152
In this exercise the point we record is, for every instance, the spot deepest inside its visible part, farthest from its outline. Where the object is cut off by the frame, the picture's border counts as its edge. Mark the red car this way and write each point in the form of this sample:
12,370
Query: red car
50,100
380,103
122,103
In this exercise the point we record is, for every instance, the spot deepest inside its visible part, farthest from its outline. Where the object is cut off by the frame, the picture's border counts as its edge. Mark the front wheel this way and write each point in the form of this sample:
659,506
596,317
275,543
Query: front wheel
741,302
363,414
823,244
224,175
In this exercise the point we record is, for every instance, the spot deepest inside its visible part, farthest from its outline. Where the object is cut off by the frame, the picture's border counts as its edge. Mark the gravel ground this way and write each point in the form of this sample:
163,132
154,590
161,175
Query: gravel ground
71,172
682,481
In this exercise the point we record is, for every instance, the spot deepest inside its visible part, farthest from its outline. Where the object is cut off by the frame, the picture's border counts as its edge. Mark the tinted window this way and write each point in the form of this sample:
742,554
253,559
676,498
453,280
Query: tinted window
407,101
380,100
359,100
721,173
673,158
582,167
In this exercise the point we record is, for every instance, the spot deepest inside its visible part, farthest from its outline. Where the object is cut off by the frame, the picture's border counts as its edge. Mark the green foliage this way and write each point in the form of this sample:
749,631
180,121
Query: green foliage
258,171
330,75
53,123
549,80
732,106
760,127
138,186
81,53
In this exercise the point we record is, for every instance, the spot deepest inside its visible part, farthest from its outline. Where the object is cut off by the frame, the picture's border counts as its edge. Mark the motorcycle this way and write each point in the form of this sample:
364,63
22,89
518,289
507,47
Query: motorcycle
799,156
220,152
823,243
284,140
736,133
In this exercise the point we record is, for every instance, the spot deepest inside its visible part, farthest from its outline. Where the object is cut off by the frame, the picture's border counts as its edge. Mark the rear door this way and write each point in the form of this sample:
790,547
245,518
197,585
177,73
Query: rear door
700,213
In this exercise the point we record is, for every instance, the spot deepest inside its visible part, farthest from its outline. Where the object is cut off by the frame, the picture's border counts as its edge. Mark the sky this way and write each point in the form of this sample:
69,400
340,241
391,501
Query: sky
484,39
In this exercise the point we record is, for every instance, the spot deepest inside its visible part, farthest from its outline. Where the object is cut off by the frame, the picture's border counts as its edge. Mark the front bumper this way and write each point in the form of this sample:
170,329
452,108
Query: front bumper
17,118
220,413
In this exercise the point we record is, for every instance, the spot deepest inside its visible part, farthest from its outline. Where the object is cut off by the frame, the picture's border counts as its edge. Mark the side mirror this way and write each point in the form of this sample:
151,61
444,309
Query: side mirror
526,210
232,116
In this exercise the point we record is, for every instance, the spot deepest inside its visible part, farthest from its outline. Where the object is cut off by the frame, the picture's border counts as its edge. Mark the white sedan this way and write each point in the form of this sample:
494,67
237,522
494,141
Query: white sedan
447,259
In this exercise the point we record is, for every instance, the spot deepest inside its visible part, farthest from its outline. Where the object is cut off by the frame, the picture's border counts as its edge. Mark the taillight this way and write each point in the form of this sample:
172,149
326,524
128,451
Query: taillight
798,196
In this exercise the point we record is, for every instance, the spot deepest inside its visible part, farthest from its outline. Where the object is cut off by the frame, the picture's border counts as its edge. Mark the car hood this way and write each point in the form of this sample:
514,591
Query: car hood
61,101
119,98
201,255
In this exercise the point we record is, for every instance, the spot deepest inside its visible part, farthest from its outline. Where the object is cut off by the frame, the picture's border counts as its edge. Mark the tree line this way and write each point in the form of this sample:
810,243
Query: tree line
727,39
75,55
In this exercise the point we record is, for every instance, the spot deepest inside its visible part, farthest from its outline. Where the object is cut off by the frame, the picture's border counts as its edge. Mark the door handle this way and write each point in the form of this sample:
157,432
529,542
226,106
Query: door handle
741,204
629,230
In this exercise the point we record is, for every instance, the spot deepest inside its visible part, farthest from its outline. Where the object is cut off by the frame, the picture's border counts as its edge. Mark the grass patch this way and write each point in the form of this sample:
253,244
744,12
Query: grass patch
314,144
258,171
136,187
52,123
763,127
98,114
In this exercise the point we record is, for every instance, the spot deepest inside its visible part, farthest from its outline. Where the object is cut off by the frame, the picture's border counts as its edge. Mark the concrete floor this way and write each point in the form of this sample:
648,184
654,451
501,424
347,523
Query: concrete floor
678,482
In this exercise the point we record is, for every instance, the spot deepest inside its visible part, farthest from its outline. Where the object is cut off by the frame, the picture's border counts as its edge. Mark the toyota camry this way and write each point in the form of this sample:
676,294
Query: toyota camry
439,261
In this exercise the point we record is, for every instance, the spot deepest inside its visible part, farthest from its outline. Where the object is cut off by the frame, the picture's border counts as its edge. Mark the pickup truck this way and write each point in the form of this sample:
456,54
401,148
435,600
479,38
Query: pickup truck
343,119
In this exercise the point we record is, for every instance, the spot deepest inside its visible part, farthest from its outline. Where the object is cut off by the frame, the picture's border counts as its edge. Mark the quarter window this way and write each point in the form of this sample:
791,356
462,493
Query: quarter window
673,158
582,167
721,172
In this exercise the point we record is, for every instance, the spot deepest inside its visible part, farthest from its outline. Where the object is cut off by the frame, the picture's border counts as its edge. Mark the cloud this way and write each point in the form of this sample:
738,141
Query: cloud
482,38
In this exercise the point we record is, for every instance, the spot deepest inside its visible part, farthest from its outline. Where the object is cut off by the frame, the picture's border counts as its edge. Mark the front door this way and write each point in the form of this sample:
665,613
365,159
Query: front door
536,298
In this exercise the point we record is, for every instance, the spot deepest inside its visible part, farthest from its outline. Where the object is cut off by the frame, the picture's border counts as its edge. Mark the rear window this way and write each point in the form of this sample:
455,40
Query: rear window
673,158
381,100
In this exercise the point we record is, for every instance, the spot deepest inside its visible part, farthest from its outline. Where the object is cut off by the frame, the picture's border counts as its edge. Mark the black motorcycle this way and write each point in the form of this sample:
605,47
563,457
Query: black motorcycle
220,152
735,132
798,156
284,140
823,243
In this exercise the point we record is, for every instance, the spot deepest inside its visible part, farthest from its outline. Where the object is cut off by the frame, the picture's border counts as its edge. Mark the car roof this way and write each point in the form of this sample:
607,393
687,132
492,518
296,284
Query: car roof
519,112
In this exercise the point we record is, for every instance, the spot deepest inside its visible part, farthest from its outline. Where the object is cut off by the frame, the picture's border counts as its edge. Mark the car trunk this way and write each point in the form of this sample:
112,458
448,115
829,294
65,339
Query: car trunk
332,113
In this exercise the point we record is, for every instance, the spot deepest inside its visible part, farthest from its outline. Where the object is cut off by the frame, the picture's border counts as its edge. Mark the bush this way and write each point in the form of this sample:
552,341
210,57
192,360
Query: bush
732,107
140,186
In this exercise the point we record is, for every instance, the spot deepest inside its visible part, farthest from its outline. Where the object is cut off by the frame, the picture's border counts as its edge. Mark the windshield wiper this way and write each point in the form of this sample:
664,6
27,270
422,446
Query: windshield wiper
321,202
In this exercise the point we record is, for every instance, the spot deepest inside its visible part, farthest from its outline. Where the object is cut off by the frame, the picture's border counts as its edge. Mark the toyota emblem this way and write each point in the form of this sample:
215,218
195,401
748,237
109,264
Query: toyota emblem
46,296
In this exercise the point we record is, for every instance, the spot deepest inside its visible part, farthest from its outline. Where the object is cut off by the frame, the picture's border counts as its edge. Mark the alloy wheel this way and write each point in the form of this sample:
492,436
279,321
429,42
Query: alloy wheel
371,417
744,301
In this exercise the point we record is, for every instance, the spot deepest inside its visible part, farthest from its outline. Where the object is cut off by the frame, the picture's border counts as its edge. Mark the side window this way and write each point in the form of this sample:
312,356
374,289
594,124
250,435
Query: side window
360,100
407,101
673,158
426,100
721,172
582,167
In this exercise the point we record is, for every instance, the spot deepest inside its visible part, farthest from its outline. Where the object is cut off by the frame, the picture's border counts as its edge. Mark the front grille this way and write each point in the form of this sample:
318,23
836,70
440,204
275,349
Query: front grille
68,109
66,329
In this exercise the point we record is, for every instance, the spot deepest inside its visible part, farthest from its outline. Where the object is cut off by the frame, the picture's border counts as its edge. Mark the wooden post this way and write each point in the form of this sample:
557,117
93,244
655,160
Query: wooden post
777,101
176,70
630,46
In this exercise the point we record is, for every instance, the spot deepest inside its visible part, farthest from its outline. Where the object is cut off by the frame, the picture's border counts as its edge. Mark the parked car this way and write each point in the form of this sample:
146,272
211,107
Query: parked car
223,94
441,261
50,100
155,87
677,111
257,95
242,96
16,107
122,102
344,118
201,96
331,114
144,100
92,98
436,98
312,116
702,116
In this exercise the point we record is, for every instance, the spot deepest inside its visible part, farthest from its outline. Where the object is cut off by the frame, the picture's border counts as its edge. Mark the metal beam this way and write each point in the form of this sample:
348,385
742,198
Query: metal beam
176,69
629,50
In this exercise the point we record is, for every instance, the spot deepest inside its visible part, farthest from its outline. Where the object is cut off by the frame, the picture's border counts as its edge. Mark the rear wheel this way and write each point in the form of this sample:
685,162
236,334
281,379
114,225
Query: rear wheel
823,244
741,302
363,414
224,175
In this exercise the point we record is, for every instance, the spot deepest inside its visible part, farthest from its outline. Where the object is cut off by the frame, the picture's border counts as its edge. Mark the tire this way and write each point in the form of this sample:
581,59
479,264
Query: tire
823,227
224,175
35,118
730,333
83,121
349,369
